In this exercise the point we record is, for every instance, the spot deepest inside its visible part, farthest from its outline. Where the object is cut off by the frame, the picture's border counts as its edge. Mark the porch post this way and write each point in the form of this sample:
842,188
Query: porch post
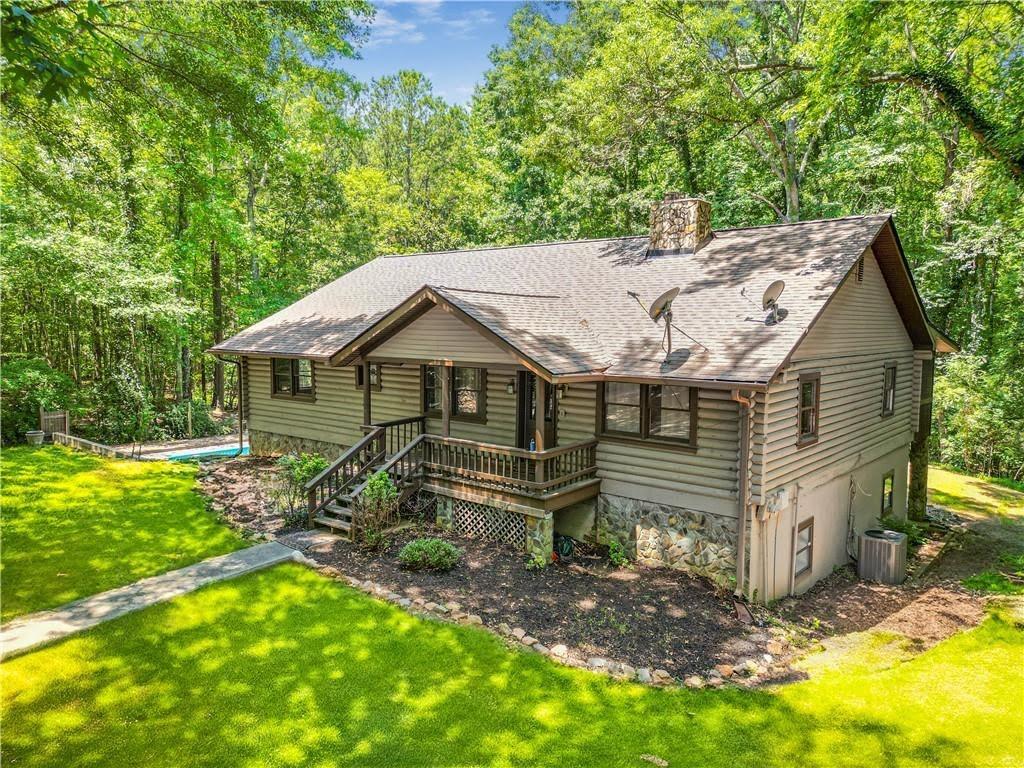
539,412
446,401
367,411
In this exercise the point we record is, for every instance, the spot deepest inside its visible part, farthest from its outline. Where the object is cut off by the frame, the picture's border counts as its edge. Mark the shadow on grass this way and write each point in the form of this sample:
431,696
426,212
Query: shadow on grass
288,668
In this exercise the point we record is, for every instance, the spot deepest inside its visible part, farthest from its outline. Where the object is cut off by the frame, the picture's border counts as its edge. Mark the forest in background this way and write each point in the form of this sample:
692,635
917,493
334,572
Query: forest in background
172,172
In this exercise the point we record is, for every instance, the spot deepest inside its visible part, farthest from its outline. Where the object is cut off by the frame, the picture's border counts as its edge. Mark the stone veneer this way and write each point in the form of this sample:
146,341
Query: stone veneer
662,535
273,444
680,224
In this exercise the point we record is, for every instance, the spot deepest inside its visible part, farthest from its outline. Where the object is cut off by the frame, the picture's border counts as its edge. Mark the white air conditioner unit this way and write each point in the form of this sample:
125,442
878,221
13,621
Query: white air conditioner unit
883,556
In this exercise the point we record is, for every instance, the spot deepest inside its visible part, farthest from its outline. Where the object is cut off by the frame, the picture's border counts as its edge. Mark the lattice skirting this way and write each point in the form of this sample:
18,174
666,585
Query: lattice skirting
420,506
482,522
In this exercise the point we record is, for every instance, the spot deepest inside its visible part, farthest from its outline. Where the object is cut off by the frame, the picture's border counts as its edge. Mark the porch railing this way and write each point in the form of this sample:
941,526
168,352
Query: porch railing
529,473
399,432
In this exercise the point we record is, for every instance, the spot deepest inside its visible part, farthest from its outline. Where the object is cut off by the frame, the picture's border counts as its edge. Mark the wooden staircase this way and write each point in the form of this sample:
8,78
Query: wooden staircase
333,495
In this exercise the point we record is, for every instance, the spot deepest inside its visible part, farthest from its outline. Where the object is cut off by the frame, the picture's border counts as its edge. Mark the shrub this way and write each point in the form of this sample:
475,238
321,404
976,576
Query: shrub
379,510
915,533
173,422
122,410
429,555
296,471
617,554
27,385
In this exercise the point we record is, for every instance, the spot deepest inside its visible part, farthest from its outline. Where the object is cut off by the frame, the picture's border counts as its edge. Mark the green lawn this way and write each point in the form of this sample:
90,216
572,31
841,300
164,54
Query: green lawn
973,495
286,667
75,524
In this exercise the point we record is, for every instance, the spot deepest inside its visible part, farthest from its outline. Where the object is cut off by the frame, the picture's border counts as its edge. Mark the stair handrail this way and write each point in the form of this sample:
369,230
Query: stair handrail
393,462
374,441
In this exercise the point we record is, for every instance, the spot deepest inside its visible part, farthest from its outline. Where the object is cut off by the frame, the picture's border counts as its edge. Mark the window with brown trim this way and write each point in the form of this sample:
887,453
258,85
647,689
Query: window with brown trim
469,391
656,412
889,390
888,484
803,555
468,388
809,393
292,378
375,377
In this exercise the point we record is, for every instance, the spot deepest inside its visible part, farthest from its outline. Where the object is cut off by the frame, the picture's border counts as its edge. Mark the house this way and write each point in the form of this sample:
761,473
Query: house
522,391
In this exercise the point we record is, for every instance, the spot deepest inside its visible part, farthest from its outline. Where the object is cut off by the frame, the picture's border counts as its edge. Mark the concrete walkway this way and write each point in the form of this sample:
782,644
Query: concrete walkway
35,629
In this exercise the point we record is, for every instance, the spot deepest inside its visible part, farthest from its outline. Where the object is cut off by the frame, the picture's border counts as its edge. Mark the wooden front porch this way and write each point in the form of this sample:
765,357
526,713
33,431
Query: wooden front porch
534,483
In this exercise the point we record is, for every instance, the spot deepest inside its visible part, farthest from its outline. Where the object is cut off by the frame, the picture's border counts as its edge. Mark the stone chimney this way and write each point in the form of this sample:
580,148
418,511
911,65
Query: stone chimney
680,224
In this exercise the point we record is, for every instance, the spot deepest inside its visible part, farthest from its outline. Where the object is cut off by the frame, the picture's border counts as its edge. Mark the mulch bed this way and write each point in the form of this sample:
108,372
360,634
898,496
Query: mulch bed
242,491
645,617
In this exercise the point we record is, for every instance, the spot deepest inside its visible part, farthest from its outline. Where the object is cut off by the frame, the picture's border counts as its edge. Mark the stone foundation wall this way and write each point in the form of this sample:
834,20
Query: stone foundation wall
274,444
662,535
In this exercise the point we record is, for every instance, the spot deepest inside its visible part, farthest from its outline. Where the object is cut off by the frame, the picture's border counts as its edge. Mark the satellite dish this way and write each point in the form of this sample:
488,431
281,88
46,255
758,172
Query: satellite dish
770,301
772,294
663,304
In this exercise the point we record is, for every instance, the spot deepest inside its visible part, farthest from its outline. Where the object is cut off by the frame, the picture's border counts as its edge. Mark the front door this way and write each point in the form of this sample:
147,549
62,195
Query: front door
526,408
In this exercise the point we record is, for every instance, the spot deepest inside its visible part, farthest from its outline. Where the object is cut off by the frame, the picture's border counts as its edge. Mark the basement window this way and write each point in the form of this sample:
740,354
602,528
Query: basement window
887,492
889,390
803,555
292,378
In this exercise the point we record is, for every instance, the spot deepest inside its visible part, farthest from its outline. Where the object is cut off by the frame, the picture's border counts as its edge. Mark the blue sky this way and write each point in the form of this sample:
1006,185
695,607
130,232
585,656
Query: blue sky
447,41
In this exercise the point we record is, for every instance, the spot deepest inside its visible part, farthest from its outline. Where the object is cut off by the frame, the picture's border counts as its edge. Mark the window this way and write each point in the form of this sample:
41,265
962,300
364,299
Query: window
889,390
432,388
468,391
650,412
292,378
375,377
669,412
807,418
887,492
802,557
622,408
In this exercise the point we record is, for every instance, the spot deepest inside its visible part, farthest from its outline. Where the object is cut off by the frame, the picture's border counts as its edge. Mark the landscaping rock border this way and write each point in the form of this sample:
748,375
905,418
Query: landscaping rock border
746,673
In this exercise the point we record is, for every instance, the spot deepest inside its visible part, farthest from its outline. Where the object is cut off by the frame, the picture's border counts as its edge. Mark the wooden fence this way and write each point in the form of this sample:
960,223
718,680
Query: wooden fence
54,421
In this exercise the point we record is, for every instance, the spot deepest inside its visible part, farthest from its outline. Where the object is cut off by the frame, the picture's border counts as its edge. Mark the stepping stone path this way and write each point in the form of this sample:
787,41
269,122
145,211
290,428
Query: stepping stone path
35,629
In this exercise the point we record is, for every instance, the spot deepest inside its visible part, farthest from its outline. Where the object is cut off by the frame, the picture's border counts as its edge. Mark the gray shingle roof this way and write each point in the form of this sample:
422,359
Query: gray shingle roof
565,305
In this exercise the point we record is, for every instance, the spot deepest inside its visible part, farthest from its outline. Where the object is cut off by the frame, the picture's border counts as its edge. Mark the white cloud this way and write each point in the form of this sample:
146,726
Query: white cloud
386,29
463,26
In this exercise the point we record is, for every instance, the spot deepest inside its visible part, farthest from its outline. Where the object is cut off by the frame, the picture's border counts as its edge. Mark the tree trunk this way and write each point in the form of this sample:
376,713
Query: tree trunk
186,372
917,491
218,323
252,189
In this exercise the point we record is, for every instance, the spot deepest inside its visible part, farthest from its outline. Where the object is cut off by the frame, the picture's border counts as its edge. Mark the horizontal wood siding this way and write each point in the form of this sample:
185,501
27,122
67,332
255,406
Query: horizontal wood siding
857,335
576,413
705,480
440,336
335,415
399,395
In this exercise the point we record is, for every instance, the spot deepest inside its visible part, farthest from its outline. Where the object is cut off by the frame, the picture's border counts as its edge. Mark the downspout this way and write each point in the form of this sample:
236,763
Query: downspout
746,410
241,426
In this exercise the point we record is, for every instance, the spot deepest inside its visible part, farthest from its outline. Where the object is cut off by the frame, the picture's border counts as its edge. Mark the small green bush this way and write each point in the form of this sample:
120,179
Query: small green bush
915,533
297,470
429,555
617,554
379,510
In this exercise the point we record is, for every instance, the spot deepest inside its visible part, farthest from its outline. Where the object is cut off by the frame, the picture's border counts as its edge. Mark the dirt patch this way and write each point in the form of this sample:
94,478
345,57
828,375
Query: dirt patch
645,617
926,609
242,491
